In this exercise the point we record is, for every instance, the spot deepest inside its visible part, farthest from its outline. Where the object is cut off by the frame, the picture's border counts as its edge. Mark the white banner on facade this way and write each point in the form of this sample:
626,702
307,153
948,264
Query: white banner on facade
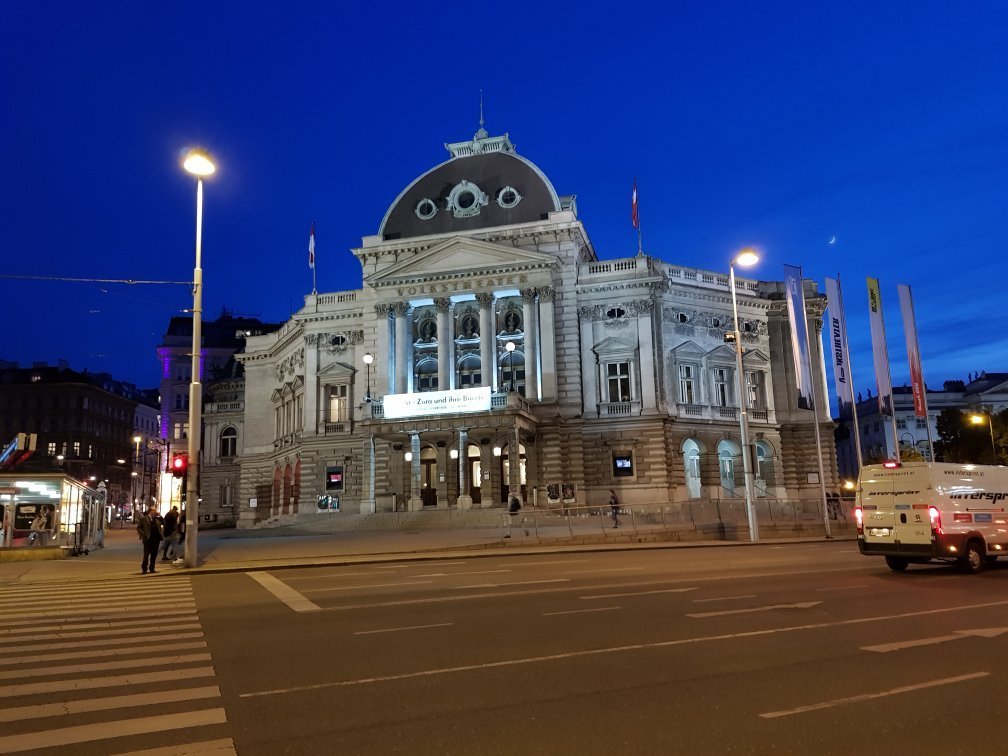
913,350
799,334
428,403
879,349
838,344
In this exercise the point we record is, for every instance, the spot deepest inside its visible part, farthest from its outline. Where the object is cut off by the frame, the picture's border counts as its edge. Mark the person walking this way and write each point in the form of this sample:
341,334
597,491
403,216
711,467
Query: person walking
514,507
171,534
614,505
150,528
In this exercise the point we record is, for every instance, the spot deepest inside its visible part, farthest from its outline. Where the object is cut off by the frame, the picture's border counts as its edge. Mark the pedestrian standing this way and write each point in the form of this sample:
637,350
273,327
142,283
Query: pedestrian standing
171,534
614,505
150,528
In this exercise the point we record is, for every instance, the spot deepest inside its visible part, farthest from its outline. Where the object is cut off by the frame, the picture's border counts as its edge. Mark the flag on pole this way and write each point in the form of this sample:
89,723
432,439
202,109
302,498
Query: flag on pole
311,247
913,350
795,294
879,349
634,215
838,340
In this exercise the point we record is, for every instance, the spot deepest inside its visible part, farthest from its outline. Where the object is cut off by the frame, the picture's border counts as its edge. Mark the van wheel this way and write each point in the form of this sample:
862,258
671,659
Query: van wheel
897,564
973,559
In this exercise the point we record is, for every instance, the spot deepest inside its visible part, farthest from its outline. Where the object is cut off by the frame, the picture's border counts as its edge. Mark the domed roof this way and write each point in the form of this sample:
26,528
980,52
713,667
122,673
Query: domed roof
484,184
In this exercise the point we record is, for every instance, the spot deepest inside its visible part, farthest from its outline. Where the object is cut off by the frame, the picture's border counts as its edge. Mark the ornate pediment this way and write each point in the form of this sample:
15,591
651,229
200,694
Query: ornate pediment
688,349
612,345
460,259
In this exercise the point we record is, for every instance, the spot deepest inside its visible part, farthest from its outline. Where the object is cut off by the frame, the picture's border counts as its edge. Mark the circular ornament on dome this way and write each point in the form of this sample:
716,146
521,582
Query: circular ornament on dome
508,197
466,199
426,209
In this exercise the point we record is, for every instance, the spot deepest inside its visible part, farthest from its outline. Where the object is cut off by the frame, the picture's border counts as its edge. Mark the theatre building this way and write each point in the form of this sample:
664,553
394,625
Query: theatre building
491,353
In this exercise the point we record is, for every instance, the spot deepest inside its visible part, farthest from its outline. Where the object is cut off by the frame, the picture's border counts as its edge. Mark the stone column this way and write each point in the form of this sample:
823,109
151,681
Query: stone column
547,344
402,344
444,341
530,323
415,500
589,366
384,375
311,418
367,504
645,352
464,500
487,339
514,467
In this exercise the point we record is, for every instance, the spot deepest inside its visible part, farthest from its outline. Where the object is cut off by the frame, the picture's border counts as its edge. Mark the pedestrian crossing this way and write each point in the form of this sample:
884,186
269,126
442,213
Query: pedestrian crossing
112,668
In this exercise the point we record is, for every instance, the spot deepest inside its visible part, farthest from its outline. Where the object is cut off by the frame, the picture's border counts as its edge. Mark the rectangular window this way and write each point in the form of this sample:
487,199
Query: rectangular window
51,448
754,390
618,381
687,394
721,387
900,423
76,448
921,423
226,496
338,405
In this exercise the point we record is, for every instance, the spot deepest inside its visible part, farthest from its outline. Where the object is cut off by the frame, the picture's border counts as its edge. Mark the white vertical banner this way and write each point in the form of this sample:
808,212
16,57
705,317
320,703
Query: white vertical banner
799,335
838,345
913,350
879,349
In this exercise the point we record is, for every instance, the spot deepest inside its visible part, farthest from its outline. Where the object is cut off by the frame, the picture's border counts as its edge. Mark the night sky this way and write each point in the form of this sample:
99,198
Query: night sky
883,126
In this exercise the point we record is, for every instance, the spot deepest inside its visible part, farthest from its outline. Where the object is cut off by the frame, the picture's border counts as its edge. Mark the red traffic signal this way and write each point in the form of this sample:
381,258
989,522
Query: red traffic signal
179,465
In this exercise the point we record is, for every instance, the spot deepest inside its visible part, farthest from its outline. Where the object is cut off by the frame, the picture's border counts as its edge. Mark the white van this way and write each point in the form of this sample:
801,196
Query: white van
919,511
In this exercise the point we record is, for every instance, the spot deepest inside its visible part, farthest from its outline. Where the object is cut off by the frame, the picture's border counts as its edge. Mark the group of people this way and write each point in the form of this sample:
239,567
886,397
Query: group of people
163,534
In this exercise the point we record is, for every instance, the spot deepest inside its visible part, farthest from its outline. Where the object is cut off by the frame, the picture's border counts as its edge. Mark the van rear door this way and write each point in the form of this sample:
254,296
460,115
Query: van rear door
877,506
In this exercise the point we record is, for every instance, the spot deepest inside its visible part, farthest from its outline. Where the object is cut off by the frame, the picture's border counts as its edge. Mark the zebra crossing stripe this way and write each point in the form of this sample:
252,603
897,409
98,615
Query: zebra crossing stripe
71,669
118,608
119,729
92,653
222,747
86,643
111,598
104,613
140,678
109,703
167,617
159,627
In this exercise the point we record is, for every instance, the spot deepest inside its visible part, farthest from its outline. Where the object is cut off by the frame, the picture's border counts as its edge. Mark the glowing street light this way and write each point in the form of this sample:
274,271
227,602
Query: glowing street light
745,258
978,419
510,347
198,164
368,359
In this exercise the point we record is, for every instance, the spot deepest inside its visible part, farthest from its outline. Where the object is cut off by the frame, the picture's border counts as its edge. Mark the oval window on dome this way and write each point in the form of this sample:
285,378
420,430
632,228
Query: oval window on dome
466,199
508,197
426,209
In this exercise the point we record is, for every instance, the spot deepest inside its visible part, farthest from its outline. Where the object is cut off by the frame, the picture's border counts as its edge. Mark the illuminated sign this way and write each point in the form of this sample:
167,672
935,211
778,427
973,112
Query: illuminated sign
428,403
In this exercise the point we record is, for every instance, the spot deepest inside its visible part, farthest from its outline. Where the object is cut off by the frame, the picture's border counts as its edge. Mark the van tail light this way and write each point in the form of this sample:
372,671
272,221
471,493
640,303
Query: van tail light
935,515
859,517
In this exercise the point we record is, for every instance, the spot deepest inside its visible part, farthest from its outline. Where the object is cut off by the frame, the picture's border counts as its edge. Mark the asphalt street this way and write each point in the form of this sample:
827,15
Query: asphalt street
794,648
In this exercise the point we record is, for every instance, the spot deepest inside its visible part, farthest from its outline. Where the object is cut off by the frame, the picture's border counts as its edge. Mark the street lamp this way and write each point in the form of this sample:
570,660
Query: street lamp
510,347
198,164
978,419
368,359
745,258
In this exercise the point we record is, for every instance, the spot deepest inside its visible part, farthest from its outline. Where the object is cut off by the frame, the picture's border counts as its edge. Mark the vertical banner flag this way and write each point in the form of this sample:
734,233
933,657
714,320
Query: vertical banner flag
913,350
311,247
879,349
838,340
634,216
799,334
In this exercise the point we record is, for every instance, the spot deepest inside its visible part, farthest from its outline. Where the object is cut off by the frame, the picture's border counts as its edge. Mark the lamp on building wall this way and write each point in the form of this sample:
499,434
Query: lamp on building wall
978,419
368,359
197,163
745,258
510,347
408,456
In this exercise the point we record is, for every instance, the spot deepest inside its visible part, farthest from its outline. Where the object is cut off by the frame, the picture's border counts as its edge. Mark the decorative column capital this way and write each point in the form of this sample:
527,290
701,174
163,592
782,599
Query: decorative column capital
528,295
382,309
401,308
442,304
546,293
484,298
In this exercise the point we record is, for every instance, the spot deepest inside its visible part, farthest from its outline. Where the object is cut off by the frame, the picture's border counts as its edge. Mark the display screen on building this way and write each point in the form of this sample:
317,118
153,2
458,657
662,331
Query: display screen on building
334,479
428,403
623,465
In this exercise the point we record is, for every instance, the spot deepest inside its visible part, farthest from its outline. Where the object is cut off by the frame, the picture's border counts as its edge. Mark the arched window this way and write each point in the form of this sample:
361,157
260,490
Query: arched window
427,375
727,451
512,369
470,373
764,467
229,442
691,460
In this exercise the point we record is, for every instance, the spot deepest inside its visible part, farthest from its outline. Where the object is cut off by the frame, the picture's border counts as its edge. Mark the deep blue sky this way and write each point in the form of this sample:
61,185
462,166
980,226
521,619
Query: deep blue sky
780,125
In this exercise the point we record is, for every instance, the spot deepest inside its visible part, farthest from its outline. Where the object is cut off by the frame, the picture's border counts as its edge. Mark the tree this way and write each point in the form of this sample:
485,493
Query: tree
960,440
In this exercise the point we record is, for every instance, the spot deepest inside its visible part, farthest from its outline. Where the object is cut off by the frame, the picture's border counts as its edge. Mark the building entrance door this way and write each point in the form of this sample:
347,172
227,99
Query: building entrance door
428,482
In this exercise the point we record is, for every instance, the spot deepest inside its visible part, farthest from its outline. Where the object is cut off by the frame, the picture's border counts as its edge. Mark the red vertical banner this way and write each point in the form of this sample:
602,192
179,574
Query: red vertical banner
913,350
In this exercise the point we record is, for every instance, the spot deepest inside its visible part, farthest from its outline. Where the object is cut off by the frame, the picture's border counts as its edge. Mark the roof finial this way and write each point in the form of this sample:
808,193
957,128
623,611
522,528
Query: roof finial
482,132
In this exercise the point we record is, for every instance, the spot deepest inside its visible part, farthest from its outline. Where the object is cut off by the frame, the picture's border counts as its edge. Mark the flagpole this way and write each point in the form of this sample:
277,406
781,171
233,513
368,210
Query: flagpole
850,370
815,411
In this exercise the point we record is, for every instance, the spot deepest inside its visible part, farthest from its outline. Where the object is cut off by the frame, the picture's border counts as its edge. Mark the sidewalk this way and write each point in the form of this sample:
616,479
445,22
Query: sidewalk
226,551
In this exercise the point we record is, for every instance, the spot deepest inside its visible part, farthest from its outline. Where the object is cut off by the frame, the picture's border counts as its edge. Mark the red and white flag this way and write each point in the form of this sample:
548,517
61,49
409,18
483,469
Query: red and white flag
634,216
311,247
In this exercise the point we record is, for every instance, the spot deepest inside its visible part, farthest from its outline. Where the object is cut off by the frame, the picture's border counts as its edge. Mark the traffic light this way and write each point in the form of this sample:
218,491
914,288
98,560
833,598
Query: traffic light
179,465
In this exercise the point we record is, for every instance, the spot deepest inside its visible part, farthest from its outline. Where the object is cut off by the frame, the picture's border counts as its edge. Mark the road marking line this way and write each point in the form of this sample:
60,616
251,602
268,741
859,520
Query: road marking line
388,567
118,729
30,689
222,747
91,653
14,596
328,576
619,649
990,632
71,633
454,574
15,674
397,629
582,611
102,586
872,696
89,644
358,587
82,706
284,592
27,618
168,615
540,564
54,601
725,613
638,593
724,598
68,608
843,588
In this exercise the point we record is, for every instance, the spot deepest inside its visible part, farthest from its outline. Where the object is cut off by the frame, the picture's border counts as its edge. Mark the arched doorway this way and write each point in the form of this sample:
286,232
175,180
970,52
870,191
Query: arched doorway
428,476
505,472
764,467
727,452
691,461
475,472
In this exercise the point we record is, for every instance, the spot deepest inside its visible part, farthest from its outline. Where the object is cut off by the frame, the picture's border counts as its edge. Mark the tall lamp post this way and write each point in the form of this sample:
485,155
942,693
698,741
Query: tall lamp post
510,347
978,419
368,359
745,258
198,164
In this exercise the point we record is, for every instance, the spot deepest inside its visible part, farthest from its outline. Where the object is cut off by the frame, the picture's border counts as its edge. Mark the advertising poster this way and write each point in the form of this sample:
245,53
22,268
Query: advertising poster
913,350
879,349
799,334
837,324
